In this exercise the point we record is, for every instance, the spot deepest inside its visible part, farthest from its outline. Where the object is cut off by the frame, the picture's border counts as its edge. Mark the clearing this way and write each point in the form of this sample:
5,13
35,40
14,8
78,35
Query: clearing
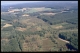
48,13
5,40
7,25
57,27
25,15
20,29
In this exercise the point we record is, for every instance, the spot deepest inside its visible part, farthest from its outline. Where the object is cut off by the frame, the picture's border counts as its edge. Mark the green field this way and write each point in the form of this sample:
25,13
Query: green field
32,10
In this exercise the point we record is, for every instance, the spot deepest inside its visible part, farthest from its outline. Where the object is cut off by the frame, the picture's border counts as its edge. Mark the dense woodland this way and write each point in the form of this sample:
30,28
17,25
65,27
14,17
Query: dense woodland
70,37
38,32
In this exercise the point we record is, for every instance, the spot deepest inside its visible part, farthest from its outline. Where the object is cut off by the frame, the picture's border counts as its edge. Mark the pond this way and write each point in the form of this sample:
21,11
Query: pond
69,46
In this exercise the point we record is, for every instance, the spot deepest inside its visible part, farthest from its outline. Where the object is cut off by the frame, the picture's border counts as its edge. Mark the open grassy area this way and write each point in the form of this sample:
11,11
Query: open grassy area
31,10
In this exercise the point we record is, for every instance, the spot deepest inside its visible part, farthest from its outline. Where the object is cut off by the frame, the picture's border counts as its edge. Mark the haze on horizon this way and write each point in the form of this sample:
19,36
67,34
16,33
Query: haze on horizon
15,2
18,2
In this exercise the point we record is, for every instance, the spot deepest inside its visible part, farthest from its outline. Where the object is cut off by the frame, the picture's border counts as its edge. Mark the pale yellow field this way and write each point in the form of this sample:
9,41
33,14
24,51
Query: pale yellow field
48,13
25,15
20,29
7,40
57,27
7,25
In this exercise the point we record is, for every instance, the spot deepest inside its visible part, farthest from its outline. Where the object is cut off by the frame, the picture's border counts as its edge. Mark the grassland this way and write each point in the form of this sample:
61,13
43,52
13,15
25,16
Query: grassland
31,10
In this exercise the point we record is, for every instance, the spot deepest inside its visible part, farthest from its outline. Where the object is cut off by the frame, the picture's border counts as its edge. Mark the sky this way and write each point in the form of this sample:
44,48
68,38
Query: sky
15,2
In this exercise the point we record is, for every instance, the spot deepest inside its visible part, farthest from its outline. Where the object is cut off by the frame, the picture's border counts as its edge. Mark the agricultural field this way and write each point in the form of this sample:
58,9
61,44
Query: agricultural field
31,10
